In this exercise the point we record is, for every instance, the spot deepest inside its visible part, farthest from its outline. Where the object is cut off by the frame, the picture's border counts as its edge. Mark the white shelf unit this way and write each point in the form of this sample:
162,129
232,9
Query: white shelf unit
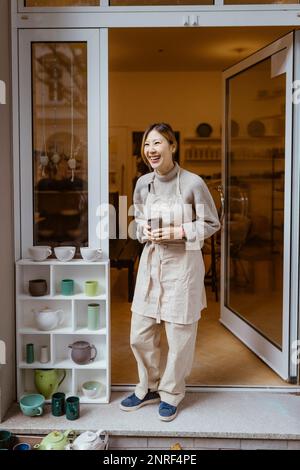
73,328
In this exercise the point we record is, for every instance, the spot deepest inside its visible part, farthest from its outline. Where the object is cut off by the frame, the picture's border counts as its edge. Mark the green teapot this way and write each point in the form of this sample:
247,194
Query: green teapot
56,440
47,381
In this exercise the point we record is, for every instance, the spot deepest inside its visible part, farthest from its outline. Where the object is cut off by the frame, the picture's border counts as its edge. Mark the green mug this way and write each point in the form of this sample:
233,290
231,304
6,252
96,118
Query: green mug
67,287
93,316
5,437
91,288
72,408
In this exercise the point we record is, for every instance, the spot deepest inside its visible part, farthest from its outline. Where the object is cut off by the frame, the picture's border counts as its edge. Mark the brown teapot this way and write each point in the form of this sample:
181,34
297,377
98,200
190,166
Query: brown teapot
82,352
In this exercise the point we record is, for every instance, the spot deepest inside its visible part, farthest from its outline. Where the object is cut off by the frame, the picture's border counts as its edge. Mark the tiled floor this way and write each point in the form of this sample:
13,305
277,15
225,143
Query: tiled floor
220,358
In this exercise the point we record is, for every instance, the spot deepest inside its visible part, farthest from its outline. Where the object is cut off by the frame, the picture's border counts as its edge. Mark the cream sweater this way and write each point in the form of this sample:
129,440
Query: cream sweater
194,192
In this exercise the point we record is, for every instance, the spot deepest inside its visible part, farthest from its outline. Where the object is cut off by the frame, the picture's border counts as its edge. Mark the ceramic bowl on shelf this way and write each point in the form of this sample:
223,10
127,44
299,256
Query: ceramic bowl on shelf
91,389
64,253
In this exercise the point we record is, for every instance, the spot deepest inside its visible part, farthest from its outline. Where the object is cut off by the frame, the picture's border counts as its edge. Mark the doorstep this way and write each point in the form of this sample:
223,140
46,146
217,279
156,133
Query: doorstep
205,420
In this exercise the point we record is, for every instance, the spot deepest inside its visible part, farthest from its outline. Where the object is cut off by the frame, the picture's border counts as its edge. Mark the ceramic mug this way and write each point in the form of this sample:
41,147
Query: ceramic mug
72,408
22,446
39,253
93,316
58,404
5,437
32,405
67,287
91,288
90,254
64,253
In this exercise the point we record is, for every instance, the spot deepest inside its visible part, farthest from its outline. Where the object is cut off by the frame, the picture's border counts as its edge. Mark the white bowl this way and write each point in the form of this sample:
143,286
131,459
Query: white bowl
39,253
64,253
91,389
91,254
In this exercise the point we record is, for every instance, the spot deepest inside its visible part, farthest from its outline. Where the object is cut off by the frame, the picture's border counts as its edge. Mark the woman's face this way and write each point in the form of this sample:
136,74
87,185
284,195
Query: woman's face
158,152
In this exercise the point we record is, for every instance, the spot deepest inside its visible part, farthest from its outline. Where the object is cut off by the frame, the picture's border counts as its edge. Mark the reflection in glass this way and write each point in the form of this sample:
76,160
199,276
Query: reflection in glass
255,198
61,3
60,164
121,3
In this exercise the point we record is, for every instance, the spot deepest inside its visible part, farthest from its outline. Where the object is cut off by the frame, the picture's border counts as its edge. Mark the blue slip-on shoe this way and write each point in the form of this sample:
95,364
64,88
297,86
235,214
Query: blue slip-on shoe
133,403
167,412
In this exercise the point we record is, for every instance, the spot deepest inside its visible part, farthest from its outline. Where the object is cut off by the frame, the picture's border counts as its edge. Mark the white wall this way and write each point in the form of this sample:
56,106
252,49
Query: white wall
183,99
7,315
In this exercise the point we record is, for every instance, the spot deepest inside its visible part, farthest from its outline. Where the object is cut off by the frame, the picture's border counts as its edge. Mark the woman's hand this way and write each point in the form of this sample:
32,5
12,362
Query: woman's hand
167,234
147,232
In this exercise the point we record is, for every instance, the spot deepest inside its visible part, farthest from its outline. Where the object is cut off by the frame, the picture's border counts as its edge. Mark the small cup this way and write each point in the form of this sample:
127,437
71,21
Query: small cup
155,223
93,316
39,253
37,287
72,408
67,287
5,438
64,253
44,354
32,405
90,254
91,288
29,353
58,404
22,446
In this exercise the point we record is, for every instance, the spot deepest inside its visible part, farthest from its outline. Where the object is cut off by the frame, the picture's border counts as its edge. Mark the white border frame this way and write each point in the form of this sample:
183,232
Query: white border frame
274,357
92,37
106,8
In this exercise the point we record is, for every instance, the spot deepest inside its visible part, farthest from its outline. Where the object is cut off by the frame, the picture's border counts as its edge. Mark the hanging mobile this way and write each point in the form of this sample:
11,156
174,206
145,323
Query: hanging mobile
44,160
55,157
72,159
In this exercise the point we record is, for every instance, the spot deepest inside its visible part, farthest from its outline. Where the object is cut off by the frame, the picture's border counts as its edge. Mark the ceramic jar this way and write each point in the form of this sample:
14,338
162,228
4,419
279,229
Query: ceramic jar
82,352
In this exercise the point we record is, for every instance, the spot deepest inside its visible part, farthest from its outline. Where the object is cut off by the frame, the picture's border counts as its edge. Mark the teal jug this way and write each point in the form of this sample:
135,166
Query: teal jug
47,381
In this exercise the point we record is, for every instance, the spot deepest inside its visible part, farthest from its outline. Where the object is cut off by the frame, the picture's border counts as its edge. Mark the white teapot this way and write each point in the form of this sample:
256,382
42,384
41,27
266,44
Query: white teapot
90,440
48,319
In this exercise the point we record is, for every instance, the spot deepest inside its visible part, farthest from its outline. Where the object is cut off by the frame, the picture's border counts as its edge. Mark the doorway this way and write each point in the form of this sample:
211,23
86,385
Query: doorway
175,75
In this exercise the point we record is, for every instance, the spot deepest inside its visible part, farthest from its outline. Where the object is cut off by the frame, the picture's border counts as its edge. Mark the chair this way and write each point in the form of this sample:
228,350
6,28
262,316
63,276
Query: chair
212,246
123,253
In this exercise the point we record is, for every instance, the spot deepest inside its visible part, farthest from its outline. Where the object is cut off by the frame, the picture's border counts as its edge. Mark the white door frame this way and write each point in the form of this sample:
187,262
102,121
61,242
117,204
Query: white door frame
97,157
269,353
112,17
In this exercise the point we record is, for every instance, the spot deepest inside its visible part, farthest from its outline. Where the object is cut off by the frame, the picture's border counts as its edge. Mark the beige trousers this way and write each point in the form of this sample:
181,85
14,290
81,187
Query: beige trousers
145,344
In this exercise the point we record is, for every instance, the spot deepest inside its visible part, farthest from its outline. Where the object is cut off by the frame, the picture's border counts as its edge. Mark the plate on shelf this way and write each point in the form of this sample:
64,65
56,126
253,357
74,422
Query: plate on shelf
256,128
204,129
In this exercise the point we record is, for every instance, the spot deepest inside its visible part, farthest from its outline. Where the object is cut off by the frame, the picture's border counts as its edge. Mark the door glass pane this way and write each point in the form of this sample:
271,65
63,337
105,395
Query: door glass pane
60,162
255,196
61,3
121,3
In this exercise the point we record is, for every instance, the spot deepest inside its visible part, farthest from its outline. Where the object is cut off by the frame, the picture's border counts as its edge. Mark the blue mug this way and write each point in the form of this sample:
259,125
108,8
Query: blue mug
32,405
22,446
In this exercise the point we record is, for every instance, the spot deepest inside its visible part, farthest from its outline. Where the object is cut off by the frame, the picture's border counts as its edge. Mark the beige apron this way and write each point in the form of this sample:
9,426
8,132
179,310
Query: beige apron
170,279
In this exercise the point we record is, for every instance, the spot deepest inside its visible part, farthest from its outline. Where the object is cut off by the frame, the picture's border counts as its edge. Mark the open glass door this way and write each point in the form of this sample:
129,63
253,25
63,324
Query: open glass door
257,177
